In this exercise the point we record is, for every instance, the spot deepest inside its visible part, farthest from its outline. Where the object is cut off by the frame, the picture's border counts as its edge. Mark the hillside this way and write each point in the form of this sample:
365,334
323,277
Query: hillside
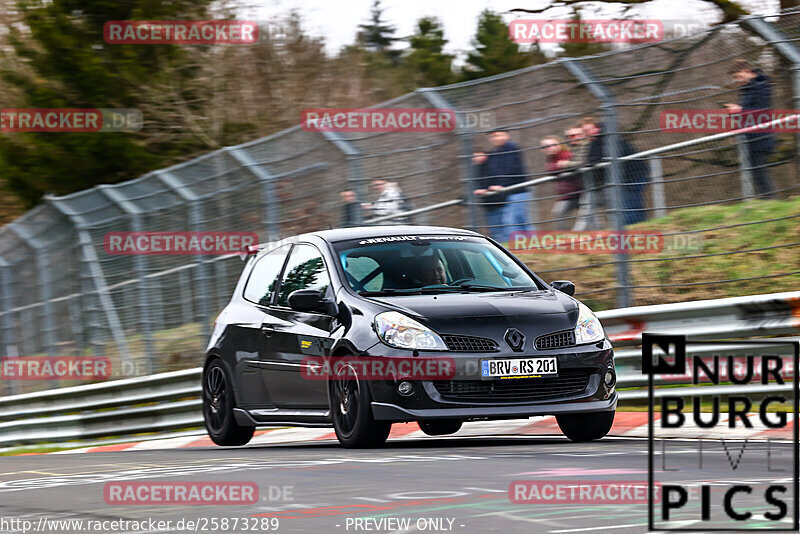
773,249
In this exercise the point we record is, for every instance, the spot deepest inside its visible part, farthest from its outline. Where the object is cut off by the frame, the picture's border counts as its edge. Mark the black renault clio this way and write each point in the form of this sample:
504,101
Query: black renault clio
515,346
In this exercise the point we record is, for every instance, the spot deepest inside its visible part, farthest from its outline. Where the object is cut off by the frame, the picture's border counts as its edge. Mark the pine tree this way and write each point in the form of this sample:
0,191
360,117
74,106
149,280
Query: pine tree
430,65
377,35
60,60
582,49
495,52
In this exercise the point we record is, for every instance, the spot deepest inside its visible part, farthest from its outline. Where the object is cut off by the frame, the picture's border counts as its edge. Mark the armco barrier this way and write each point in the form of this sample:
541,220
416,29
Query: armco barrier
170,401
735,318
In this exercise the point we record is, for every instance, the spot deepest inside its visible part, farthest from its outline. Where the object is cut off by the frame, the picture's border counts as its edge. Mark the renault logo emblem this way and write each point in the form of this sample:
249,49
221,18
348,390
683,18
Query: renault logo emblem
515,339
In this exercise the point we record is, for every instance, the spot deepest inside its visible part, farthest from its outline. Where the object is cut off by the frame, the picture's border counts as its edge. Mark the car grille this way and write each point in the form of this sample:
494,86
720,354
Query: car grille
470,344
556,340
569,382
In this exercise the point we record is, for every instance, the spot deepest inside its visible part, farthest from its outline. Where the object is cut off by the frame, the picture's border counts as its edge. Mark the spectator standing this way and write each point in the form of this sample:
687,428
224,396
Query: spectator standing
390,201
502,167
568,188
349,208
634,172
755,93
579,148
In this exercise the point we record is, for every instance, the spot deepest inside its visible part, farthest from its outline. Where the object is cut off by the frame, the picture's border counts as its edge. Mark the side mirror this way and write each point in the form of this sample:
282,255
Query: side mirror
565,286
311,300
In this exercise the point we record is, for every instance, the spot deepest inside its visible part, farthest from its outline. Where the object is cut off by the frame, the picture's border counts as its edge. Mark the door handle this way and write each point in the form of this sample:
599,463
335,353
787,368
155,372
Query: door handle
267,331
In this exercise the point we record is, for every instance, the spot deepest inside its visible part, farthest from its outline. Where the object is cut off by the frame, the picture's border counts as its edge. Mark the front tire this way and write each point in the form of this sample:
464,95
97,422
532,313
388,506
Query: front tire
351,411
218,404
440,427
585,426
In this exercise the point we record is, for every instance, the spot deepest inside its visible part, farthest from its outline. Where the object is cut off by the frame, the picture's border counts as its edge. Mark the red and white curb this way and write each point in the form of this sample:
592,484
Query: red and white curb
626,424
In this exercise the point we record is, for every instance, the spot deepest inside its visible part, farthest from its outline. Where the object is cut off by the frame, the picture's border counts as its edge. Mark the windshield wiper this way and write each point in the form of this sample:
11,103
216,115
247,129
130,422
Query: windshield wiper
477,288
484,287
412,291
379,293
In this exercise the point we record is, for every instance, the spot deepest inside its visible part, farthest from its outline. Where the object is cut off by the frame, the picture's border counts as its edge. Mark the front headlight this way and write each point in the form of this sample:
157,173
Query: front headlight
588,328
402,332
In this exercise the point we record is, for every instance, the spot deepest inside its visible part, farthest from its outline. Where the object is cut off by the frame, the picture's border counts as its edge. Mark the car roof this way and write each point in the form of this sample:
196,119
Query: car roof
358,232
364,232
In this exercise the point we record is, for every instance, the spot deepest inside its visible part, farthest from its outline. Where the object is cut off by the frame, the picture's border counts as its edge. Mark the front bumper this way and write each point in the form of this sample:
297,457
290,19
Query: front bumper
391,412
579,388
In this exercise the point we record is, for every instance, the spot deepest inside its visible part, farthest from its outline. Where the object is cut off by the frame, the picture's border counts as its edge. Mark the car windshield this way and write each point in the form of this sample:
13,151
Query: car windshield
411,264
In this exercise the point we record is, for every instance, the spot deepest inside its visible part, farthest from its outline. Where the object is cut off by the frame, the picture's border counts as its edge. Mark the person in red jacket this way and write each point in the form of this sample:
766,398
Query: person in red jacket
568,188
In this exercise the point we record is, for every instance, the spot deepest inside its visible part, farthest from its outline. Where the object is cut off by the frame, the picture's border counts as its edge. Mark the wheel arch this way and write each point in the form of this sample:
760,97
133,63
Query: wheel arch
213,355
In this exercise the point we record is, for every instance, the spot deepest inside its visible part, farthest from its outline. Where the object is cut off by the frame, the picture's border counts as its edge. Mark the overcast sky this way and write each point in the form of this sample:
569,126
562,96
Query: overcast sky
338,20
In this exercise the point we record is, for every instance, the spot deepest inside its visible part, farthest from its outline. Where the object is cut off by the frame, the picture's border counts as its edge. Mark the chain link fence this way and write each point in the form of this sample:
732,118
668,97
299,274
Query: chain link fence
62,294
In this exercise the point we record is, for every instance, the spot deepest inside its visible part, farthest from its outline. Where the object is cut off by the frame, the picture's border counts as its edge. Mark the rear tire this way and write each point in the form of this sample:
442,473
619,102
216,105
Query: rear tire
351,411
440,427
585,426
218,404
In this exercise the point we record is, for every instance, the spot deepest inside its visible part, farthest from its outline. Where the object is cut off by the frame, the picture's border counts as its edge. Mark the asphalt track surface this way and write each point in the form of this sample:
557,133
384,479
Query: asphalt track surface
450,484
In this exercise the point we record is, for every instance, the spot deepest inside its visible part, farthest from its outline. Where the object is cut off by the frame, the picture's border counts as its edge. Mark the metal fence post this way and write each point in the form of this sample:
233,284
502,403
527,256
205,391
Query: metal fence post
220,279
89,307
745,176
195,223
464,134
356,176
140,265
659,195
614,174
8,348
592,215
43,275
266,180
93,271
796,82
611,149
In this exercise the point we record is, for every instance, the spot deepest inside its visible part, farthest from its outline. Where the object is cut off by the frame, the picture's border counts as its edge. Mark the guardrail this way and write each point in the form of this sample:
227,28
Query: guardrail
170,401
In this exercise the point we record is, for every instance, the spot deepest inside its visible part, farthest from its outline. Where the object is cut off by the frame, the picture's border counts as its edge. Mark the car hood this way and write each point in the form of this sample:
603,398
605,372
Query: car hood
489,314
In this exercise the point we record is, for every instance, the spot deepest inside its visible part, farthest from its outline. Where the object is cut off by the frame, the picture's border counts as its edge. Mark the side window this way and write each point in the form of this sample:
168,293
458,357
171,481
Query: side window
305,270
261,285
360,268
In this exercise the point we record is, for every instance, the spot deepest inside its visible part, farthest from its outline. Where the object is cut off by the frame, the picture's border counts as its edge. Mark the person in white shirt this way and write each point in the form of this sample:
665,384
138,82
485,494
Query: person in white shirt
390,201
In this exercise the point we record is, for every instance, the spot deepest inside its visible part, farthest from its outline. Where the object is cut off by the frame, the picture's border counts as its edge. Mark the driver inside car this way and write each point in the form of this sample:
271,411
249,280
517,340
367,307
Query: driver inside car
431,271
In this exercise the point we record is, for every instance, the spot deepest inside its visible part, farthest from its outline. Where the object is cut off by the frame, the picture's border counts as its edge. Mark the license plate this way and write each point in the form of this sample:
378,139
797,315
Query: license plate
519,367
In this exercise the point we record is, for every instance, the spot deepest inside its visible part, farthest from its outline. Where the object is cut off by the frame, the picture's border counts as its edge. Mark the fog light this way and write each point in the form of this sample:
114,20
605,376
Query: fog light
405,388
610,378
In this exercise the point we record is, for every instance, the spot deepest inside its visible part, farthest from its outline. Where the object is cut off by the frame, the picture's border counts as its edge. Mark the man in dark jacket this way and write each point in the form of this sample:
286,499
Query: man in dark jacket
502,167
755,94
635,176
